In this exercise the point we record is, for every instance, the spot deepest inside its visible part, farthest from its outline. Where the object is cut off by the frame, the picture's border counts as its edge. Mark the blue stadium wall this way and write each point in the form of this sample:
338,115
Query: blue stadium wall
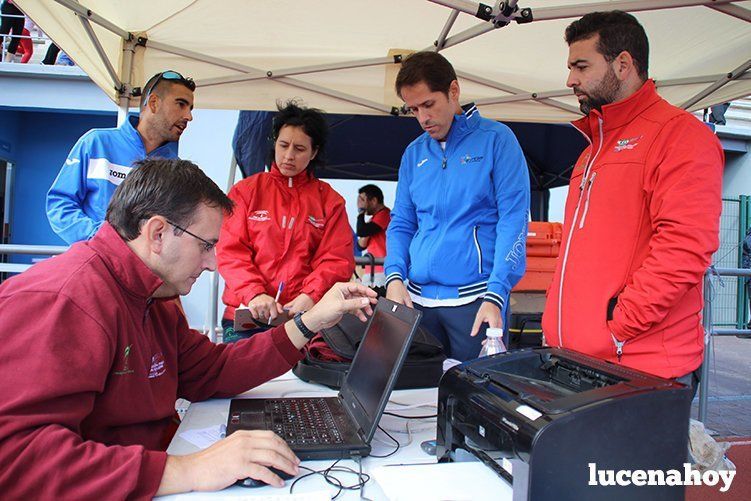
37,143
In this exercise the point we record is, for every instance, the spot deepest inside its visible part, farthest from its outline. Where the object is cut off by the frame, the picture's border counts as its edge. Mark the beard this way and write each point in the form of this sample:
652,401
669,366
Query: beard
604,92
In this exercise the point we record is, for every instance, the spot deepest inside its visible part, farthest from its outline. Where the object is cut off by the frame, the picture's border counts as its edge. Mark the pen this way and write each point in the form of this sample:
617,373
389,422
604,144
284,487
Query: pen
279,292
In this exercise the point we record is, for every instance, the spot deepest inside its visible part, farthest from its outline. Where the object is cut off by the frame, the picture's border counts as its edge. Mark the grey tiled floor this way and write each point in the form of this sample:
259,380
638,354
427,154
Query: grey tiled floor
729,407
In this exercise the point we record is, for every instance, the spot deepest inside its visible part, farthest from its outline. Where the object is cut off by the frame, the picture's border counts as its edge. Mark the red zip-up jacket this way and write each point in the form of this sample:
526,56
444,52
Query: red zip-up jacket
641,225
91,367
291,230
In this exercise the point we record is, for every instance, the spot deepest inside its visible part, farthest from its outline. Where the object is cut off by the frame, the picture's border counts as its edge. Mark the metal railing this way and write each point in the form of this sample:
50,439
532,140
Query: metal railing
34,250
710,331
41,38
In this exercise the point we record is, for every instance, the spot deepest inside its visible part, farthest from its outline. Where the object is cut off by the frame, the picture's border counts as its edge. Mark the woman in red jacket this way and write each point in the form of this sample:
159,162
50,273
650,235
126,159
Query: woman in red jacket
288,240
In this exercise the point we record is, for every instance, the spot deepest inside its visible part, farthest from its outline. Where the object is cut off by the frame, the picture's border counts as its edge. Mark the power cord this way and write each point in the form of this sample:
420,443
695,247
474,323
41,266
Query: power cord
326,473
410,417
396,442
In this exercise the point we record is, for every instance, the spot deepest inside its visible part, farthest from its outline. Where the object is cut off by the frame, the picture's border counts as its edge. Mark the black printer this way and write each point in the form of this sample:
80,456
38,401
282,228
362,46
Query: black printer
546,419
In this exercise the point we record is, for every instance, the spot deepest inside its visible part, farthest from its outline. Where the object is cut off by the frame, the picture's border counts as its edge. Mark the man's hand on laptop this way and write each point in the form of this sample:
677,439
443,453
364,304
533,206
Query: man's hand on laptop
241,455
344,297
397,292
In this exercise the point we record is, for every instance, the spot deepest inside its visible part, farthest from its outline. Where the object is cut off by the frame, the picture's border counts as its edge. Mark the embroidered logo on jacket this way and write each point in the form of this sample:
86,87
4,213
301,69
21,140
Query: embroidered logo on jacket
421,162
467,159
317,223
260,215
157,366
126,363
627,144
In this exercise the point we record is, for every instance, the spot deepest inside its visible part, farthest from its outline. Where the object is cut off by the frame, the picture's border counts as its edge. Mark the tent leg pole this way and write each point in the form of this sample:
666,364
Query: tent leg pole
708,332
214,284
126,70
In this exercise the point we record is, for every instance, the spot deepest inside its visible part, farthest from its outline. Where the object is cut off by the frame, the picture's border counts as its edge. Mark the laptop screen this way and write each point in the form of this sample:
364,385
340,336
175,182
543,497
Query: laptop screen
374,369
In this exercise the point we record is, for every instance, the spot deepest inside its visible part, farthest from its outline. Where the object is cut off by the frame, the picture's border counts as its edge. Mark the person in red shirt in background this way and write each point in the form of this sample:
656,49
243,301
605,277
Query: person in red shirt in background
288,240
371,236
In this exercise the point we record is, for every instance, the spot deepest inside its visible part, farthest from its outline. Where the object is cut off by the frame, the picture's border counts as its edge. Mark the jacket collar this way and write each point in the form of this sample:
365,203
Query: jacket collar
301,179
618,114
130,129
464,123
126,267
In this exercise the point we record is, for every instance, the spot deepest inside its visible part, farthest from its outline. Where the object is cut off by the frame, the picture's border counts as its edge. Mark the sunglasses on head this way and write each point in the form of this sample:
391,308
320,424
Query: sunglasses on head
170,75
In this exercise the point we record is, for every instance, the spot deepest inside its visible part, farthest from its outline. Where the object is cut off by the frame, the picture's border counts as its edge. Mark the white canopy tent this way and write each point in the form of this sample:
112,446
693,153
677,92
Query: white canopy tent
342,55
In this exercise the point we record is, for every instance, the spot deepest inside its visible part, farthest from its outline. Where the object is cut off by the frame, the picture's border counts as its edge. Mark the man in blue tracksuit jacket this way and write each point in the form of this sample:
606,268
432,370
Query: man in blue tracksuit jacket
100,160
459,225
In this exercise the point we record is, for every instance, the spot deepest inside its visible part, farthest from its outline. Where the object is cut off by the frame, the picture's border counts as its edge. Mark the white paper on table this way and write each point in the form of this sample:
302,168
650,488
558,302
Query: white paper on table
470,481
205,437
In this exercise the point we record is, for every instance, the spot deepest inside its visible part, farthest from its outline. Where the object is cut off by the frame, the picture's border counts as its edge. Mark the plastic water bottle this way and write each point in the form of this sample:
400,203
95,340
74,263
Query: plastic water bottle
494,343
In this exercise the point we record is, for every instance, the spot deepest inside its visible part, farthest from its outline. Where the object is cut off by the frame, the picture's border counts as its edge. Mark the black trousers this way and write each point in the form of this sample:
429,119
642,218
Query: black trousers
9,24
51,56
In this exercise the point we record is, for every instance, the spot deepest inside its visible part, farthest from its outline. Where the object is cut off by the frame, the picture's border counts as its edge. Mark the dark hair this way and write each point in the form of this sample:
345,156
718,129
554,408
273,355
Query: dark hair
159,83
372,191
429,67
618,32
311,121
170,188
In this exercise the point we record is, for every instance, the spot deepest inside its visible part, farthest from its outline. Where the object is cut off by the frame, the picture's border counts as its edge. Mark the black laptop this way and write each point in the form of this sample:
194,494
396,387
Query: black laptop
341,426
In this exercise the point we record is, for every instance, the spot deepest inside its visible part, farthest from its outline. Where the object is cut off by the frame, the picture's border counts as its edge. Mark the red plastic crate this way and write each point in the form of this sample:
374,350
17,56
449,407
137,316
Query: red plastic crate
543,245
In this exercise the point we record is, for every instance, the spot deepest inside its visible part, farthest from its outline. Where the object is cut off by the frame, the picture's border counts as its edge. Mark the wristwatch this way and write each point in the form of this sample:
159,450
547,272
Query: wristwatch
303,328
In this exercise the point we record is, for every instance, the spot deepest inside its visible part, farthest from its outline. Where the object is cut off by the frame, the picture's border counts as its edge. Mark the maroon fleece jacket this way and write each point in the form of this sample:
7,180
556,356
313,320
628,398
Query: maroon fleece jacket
91,366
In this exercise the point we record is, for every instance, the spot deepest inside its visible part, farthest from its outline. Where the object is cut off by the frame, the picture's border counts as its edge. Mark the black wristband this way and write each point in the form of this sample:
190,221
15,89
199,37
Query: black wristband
303,328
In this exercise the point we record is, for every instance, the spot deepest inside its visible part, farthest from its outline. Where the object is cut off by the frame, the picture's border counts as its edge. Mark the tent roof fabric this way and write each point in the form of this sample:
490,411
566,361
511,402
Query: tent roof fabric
247,54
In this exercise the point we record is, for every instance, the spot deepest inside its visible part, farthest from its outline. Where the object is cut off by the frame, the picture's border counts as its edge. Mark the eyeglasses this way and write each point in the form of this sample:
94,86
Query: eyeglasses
207,246
167,75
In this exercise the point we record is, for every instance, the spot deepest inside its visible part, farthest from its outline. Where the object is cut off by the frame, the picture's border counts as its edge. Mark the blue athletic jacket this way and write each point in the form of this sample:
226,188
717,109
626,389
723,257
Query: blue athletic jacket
77,201
459,224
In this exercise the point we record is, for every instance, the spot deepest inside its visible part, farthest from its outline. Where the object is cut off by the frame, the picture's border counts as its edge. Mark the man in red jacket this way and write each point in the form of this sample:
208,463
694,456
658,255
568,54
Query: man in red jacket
85,408
642,213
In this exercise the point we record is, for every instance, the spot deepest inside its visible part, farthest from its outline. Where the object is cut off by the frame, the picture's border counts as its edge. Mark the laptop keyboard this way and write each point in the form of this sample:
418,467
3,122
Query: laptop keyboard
302,422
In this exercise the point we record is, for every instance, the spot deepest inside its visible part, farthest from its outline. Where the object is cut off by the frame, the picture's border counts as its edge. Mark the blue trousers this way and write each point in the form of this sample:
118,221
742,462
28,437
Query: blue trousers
451,326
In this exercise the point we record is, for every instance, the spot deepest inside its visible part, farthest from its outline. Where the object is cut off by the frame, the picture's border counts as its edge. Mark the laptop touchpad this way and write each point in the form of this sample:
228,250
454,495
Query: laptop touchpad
252,421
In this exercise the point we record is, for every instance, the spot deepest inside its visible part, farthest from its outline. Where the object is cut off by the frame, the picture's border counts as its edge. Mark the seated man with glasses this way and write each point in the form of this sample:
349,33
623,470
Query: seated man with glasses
85,410
102,158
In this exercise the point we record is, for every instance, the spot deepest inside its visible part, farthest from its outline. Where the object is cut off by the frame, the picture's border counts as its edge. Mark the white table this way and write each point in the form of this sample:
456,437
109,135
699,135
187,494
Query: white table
213,412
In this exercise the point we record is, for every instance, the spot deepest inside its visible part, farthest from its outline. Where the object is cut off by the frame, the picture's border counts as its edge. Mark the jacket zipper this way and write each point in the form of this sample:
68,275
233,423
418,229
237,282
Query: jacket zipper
618,347
479,249
586,203
573,226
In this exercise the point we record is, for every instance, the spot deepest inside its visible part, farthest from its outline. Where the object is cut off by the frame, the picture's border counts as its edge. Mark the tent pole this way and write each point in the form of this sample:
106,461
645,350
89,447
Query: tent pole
697,80
578,10
100,51
524,97
287,80
223,63
515,91
95,18
126,70
733,10
446,29
362,63
339,95
569,11
740,70
214,280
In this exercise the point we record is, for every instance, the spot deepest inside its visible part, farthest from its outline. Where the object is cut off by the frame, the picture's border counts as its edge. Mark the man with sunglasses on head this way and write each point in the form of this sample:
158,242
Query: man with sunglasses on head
102,158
